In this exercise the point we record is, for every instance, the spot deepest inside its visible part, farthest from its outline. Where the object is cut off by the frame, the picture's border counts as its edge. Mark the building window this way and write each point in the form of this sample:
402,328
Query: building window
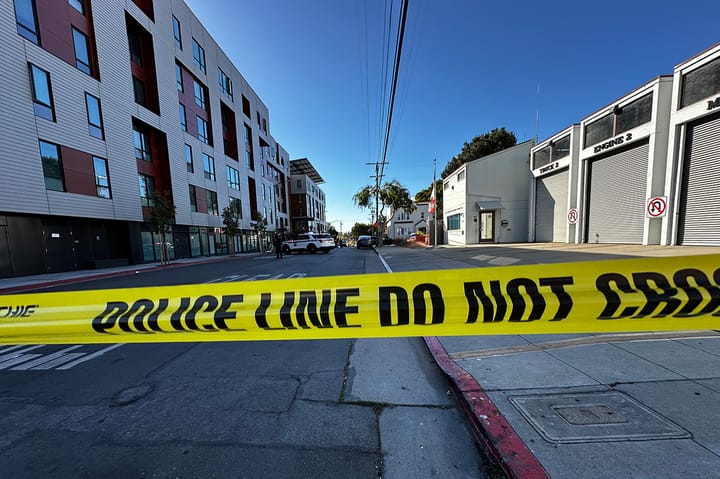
176,32
257,115
454,222
42,93
102,180
134,44
299,184
212,204
147,188
82,51
189,158
52,166
183,117
225,84
264,125
699,84
78,5
199,55
199,94
461,176
94,116
202,127
246,106
208,167
193,198
27,20
142,144
249,161
619,120
178,77
233,177
236,204
139,91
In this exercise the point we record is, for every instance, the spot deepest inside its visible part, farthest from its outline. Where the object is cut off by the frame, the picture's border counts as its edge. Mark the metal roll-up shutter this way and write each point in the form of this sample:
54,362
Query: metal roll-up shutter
699,220
616,210
551,204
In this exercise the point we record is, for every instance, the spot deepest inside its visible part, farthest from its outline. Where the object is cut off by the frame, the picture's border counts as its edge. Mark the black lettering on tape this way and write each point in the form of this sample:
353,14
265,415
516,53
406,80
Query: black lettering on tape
308,304
475,291
107,319
695,297
385,294
138,310
223,314
286,310
518,302
436,300
557,286
342,309
205,304
176,317
152,320
325,308
662,293
612,299
261,312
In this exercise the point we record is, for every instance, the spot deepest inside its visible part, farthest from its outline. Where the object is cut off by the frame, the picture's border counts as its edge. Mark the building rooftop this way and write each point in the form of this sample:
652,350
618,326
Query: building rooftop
303,166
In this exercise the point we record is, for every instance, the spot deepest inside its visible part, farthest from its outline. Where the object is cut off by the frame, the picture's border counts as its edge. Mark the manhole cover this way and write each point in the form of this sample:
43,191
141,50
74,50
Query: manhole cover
594,417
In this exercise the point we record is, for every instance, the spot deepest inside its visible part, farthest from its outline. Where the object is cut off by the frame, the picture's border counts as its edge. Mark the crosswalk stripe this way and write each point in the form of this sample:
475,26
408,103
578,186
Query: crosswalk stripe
57,362
44,359
89,357
18,353
17,360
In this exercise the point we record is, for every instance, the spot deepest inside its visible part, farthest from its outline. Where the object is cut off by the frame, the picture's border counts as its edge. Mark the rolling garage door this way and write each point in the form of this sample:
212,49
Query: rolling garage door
616,210
551,206
699,219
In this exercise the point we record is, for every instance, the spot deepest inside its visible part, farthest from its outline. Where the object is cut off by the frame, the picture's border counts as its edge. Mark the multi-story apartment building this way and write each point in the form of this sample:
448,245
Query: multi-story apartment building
107,102
307,200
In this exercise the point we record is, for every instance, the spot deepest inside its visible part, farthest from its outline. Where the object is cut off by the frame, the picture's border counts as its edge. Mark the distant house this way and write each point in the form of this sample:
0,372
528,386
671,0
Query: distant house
402,223
486,200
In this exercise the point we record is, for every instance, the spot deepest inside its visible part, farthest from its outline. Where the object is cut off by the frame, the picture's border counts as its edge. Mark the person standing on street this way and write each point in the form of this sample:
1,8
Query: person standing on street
277,242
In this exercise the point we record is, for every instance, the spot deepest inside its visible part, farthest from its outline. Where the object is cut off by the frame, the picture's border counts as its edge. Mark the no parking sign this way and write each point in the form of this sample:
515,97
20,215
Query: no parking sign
656,207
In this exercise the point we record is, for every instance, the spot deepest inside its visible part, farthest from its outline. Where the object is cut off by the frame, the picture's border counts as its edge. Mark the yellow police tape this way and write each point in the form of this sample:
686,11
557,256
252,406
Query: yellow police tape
662,294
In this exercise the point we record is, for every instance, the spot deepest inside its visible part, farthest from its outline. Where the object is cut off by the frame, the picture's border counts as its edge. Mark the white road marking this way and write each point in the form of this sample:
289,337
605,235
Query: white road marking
44,359
65,358
18,353
19,359
89,357
11,348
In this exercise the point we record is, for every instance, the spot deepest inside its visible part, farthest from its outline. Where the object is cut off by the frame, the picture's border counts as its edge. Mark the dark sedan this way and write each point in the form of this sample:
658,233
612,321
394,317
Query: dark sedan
364,241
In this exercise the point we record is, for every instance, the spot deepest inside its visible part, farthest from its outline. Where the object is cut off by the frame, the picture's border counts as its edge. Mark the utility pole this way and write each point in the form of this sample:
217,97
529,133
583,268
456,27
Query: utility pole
378,178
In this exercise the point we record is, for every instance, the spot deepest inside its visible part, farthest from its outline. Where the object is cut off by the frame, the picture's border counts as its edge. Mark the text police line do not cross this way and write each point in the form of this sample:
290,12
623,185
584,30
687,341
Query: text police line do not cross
636,295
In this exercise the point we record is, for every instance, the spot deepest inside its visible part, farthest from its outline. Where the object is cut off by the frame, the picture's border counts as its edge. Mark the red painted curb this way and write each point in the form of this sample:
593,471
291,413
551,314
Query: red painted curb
492,431
92,277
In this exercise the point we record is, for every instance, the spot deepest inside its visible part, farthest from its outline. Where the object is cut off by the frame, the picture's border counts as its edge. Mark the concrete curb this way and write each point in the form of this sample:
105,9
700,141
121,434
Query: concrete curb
492,431
92,277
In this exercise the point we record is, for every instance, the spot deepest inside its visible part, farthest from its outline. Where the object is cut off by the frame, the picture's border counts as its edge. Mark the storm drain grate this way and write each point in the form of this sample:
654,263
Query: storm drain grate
594,417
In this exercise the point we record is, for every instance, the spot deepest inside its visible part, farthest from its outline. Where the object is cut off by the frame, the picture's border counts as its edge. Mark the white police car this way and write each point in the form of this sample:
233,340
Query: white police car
310,242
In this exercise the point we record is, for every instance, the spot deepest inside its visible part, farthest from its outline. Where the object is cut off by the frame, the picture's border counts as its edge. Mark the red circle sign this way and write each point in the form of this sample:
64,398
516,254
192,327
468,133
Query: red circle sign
656,206
572,216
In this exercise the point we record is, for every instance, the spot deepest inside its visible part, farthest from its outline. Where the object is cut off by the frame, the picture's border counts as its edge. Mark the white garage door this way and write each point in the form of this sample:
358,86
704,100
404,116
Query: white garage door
551,204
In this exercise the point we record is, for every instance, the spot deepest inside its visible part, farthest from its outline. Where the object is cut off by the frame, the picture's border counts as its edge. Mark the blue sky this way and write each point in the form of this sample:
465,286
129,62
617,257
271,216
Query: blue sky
468,67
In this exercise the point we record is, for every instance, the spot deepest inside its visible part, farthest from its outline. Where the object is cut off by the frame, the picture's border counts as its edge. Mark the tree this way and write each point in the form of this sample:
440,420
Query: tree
482,145
259,225
392,194
361,229
231,216
162,215
424,195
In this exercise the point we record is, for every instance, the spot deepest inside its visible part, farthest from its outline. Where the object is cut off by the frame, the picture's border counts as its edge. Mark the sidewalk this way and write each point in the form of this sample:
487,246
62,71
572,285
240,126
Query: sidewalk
591,406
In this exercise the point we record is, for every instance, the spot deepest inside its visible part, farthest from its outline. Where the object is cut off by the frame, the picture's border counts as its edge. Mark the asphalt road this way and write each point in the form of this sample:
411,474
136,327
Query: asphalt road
290,409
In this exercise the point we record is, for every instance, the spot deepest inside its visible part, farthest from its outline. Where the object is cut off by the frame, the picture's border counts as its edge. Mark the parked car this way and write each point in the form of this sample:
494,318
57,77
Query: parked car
309,242
387,240
364,241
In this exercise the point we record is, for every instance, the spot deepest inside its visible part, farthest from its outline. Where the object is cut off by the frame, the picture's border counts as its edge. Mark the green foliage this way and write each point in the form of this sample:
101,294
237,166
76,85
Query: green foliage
392,194
162,215
361,229
259,223
424,195
482,145
333,232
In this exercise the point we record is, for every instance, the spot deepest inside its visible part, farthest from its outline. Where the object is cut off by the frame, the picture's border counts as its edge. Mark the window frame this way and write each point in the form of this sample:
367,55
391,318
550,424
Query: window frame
177,32
225,84
40,107
82,65
212,202
192,190
200,95
99,186
208,167
78,5
145,147
24,30
139,95
146,182
189,165
454,220
179,78
233,177
60,177
96,130
203,132
183,116
199,56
